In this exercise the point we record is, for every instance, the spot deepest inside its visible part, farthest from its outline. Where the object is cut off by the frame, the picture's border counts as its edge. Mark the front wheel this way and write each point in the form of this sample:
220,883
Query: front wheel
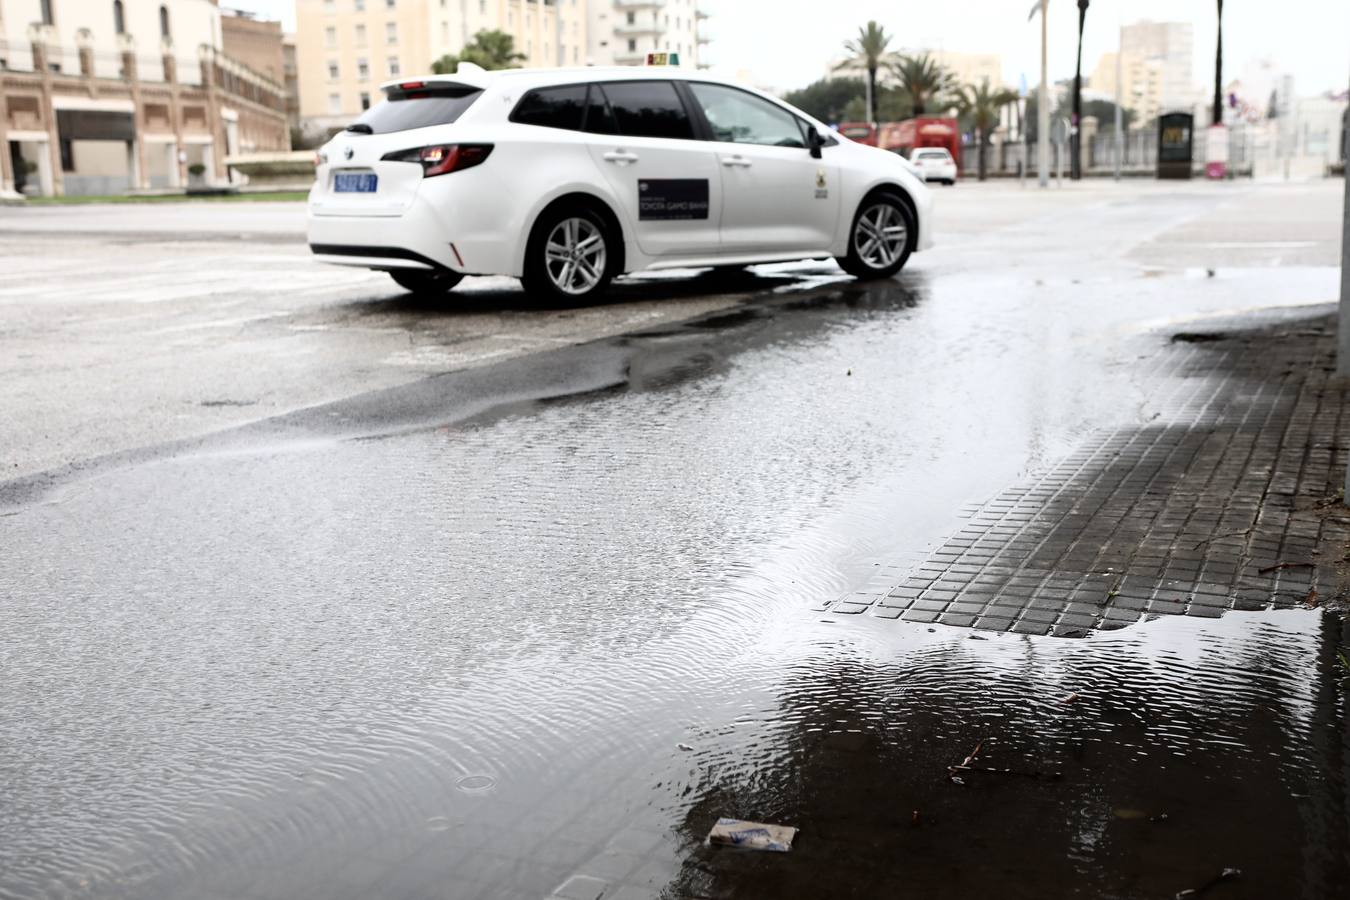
881,239
420,282
570,257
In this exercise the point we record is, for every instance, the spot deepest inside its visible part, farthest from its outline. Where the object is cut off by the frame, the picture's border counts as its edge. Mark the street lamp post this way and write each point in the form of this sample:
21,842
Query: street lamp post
1343,319
1343,323
1120,115
1075,140
1218,72
1043,102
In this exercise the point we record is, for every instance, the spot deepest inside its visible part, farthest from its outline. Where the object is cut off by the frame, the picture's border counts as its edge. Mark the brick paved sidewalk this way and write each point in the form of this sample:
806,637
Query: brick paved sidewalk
1240,472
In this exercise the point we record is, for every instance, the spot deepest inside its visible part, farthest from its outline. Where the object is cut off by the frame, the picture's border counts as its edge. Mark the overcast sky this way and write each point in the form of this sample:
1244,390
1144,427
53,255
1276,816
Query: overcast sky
788,45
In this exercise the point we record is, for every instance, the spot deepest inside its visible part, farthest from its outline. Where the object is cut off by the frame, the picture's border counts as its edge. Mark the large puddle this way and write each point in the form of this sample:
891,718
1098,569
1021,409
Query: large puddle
559,640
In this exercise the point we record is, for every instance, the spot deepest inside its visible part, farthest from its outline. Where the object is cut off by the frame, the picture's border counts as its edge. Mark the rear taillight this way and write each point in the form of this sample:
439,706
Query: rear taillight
442,158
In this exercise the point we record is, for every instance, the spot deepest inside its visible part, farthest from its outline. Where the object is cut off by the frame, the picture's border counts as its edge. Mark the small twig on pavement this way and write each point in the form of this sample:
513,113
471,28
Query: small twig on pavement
952,770
988,771
1225,875
1286,565
1221,536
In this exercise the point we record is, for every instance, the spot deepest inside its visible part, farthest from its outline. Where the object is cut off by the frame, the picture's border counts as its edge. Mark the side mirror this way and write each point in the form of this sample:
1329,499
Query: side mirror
814,142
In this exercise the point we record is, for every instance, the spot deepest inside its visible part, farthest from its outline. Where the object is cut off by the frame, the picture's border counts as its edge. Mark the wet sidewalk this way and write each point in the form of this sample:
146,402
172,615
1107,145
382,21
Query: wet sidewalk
1227,499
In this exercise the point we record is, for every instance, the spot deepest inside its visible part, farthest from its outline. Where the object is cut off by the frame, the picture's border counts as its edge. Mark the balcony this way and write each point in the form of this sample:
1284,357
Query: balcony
625,5
638,29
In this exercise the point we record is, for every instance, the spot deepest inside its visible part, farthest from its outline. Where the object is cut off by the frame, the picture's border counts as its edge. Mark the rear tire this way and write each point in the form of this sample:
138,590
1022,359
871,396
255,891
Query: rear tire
881,238
571,257
427,283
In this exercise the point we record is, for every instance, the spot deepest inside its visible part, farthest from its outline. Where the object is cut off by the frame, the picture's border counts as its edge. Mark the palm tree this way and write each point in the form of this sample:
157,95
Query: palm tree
489,49
869,50
1218,72
982,105
923,81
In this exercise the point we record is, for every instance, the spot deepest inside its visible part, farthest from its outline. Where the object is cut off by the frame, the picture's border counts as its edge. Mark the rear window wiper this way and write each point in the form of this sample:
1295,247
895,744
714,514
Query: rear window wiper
360,128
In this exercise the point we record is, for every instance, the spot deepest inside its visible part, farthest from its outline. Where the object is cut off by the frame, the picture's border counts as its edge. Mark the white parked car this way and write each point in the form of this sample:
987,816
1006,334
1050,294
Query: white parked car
935,164
566,178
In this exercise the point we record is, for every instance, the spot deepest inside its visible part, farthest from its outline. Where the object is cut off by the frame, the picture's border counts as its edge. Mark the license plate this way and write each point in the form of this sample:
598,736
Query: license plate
355,183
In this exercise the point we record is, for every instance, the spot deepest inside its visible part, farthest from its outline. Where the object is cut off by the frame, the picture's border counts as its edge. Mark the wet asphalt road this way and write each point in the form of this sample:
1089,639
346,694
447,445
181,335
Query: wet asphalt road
312,589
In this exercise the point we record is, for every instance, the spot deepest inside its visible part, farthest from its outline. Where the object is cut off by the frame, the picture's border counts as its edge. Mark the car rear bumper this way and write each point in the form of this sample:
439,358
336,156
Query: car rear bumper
372,257
410,241
448,226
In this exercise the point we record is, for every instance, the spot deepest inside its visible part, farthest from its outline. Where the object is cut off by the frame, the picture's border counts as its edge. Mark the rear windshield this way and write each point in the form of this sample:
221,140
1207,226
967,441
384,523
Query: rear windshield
417,109
932,154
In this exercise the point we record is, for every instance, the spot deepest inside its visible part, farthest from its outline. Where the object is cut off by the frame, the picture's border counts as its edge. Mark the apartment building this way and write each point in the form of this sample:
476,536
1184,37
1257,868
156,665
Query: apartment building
103,96
1141,84
1155,62
623,32
346,48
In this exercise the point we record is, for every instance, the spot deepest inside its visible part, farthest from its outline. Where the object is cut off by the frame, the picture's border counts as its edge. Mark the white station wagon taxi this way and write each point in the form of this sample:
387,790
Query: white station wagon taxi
565,178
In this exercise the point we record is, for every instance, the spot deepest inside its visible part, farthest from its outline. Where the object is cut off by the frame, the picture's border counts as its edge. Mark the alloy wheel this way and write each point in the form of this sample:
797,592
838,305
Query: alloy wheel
880,236
575,255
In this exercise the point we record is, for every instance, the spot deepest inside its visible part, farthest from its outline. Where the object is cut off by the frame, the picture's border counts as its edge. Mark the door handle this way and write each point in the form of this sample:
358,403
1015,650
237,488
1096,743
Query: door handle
737,161
623,157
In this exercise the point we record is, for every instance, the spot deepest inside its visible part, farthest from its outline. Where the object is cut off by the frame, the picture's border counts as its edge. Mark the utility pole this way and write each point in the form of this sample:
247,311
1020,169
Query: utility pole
1075,140
1343,322
1218,72
1343,319
1120,116
1043,101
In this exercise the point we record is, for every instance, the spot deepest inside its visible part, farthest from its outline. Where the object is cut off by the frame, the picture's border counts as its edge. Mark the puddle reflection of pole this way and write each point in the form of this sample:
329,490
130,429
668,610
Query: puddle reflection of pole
1343,321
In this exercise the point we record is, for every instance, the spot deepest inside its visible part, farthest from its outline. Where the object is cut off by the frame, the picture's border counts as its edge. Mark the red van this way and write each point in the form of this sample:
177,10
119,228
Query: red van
861,132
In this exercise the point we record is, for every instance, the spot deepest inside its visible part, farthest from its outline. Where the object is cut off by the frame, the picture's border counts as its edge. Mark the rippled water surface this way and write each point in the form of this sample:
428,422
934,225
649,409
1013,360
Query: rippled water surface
563,637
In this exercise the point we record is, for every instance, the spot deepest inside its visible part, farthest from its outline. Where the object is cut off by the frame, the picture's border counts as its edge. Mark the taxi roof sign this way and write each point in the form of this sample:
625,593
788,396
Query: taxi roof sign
667,58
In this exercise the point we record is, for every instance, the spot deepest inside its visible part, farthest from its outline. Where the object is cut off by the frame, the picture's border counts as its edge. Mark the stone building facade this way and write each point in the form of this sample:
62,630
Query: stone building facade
346,48
100,97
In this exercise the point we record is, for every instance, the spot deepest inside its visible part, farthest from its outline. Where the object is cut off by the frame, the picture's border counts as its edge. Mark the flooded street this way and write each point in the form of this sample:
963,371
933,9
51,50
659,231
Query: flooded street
532,625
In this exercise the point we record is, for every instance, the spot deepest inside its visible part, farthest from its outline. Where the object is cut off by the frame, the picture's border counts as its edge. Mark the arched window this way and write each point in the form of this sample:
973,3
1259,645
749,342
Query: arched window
164,22
119,18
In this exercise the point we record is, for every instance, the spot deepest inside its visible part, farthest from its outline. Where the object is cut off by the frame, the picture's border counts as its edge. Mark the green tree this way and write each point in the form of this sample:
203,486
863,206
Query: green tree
489,49
891,106
923,81
868,49
981,106
1103,110
828,98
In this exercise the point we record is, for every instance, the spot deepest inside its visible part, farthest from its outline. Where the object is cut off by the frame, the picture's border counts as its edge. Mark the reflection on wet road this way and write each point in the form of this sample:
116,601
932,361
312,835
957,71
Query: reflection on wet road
448,640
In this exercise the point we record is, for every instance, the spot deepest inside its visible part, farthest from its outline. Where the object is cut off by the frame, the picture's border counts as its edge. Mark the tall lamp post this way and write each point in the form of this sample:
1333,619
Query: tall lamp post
1042,102
1218,73
1343,323
1075,138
